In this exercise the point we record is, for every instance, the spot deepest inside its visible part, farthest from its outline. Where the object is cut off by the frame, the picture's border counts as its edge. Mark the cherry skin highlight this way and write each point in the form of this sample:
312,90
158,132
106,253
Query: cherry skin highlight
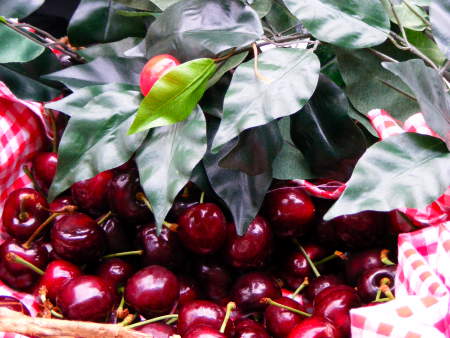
155,68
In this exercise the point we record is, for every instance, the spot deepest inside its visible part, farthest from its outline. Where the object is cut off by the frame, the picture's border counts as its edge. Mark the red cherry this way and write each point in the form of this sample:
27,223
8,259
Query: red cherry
157,330
155,68
36,254
24,210
361,261
19,281
318,284
203,331
13,304
153,290
86,298
189,290
202,228
370,281
43,169
115,271
215,279
400,223
315,327
200,312
248,328
117,235
280,321
60,204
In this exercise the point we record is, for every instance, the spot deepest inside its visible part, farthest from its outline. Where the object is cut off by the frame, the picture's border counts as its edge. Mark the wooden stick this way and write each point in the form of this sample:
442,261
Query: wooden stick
12,321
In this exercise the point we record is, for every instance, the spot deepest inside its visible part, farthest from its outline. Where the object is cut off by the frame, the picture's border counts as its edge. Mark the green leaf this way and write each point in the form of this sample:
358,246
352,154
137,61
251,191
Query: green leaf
112,49
136,14
167,158
16,47
97,21
102,70
174,96
19,8
407,170
326,135
225,66
440,17
262,7
143,5
348,24
362,120
164,4
95,138
429,90
279,19
202,28
407,17
292,76
426,46
363,76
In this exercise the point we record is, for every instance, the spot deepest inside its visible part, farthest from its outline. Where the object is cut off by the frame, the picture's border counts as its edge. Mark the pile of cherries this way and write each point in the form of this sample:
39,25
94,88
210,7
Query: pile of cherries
95,254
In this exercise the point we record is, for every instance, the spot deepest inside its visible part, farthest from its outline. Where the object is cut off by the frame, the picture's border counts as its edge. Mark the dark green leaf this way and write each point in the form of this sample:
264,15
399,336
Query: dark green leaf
349,23
136,14
407,170
426,46
163,4
96,137
429,90
202,28
250,102
174,96
279,19
262,7
167,158
440,17
212,100
19,8
326,135
408,18
225,66
363,76
112,49
255,151
143,5
362,120
102,70
16,47
97,21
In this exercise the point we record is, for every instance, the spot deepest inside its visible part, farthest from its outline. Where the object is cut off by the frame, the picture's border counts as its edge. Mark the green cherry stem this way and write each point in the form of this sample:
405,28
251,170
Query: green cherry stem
274,303
308,259
230,307
12,257
103,218
336,254
125,253
152,320
384,257
202,197
141,197
300,288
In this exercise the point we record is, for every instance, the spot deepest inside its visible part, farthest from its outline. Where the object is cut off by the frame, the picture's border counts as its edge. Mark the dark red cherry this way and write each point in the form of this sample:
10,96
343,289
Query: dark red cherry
117,235
252,249
57,274
359,262
289,211
90,194
215,279
122,192
189,290
334,304
300,298
200,312
248,328
250,288
318,284
202,228
19,281
280,321
157,330
43,169
86,298
61,203
163,249
78,238
36,254
13,304
400,223
178,208
24,210
115,271
315,327
203,331
152,290
370,281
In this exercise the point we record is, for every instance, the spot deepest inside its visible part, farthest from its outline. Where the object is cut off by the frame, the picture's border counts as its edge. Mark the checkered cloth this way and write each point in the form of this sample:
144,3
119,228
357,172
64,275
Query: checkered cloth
421,308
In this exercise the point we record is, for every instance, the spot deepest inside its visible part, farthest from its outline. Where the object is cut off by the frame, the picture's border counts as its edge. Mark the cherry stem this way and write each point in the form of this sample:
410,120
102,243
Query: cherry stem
39,229
202,197
171,321
308,259
125,253
104,218
141,197
56,314
336,254
230,307
171,226
387,291
274,303
119,311
384,257
152,320
27,172
382,300
127,320
12,257
300,288
185,193
258,74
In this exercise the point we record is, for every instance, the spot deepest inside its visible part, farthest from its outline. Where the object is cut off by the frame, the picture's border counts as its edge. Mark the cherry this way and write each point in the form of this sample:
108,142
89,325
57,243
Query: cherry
163,249
57,274
20,281
117,235
203,331
115,271
289,211
36,254
178,208
78,238
400,223
248,328
200,312
60,204
202,228
280,321
152,290
362,261
370,281
43,169
157,330
86,298
250,288
315,327
215,279
90,194
155,68
318,284
189,290
24,210
253,248
334,304
122,192
304,302
13,304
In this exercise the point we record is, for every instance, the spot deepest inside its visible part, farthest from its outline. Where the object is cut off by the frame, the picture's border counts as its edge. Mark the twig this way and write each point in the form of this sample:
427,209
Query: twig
382,56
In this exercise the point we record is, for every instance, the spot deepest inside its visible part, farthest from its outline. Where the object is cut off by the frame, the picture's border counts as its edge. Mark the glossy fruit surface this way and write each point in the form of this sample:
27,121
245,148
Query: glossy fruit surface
152,290
43,169
189,290
361,261
155,68
90,194
318,284
280,321
248,328
202,228
289,211
115,271
370,281
36,254
157,330
13,304
24,210
78,238
315,327
85,298
117,235
203,331
200,312
19,281
215,279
